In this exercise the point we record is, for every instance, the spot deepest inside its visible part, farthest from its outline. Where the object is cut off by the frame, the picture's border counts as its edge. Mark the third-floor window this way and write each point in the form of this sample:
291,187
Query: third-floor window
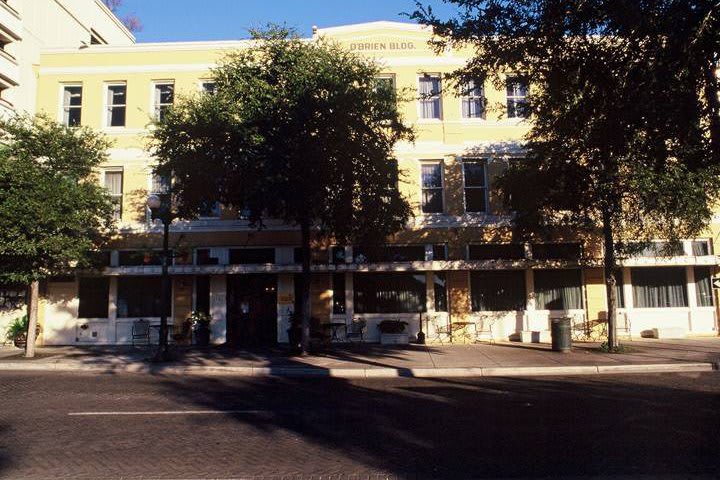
114,185
430,106
517,91
164,97
116,105
72,105
473,99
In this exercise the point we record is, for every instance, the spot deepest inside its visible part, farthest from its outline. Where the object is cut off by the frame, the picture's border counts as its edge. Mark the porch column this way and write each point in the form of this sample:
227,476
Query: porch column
112,310
218,308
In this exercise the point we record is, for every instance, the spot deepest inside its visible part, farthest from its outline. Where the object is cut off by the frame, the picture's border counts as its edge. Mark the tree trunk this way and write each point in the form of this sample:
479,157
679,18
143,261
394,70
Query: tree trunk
305,283
32,309
610,261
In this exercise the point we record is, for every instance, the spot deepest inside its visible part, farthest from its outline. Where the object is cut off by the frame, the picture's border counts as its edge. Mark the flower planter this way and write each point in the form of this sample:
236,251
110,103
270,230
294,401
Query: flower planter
394,339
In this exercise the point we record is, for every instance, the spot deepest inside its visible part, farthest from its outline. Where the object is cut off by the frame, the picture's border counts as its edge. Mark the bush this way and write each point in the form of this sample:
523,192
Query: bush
19,326
392,326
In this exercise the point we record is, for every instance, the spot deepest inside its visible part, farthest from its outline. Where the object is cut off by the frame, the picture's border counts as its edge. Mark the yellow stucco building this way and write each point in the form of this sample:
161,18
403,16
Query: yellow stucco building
454,264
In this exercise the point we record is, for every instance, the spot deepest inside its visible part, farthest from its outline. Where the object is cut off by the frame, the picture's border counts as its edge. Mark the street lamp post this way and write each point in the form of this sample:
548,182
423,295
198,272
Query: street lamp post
161,210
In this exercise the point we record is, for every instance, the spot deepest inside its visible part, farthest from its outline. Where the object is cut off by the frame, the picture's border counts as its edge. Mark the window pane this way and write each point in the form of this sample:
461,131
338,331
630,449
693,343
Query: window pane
139,257
440,289
497,291
659,287
558,289
202,294
474,174
117,117
703,286
432,201
619,290
338,288
510,251
557,251
72,117
389,292
475,200
139,297
440,252
209,87
93,296
700,248
244,256
113,182
73,96
165,93
431,175
117,95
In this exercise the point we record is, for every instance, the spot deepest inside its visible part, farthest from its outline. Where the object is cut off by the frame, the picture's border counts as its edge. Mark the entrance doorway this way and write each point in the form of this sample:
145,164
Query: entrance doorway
252,310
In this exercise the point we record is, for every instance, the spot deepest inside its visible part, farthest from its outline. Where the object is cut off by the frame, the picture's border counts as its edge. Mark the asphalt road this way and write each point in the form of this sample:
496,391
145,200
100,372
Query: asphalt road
141,426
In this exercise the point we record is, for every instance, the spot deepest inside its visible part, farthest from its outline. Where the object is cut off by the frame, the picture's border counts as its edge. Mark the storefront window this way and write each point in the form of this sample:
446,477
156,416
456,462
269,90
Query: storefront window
659,287
558,289
390,292
139,297
93,296
497,291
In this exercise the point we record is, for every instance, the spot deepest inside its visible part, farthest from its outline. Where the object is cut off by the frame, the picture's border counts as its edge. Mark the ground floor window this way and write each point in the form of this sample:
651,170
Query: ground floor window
93,296
338,289
497,291
619,288
703,286
440,290
139,297
558,289
390,292
202,294
659,287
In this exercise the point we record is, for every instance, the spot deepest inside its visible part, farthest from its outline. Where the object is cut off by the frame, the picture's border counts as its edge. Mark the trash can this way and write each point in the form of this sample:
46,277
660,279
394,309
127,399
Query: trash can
560,331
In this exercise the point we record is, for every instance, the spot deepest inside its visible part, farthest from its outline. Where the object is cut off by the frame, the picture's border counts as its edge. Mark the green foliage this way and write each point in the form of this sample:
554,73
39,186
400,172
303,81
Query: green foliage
606,348
392,326
19,326
52,211
624,135
296,131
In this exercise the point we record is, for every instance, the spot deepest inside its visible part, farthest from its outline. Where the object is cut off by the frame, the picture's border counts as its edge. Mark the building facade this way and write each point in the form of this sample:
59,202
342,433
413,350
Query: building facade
454,266
26,28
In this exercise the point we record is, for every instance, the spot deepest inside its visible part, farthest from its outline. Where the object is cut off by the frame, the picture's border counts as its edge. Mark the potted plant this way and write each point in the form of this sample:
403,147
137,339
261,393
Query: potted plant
392,332
17,331
201,325
295,331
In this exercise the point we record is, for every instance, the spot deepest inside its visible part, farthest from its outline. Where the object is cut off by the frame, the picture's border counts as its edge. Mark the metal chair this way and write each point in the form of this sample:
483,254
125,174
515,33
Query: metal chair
439,328
141,330
357,329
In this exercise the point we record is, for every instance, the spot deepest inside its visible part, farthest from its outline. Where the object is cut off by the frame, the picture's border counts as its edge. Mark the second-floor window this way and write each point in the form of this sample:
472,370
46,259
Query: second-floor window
473,99
72,105
517,104
430,106
209,87
116,104
164,97
475,186
432,188
114,186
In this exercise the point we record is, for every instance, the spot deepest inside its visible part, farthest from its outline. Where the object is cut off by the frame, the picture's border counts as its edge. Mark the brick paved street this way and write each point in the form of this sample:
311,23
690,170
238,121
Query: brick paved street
305,428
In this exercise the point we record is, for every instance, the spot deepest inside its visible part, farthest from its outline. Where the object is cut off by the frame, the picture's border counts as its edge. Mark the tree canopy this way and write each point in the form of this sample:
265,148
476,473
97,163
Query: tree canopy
296,130
624,113
52,210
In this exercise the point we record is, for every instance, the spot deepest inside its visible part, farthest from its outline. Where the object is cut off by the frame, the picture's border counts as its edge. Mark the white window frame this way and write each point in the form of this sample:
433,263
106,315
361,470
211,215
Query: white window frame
155,107
119,196
388,76
106,106
484,162
464,96
420,101
508,78
61,111
441,163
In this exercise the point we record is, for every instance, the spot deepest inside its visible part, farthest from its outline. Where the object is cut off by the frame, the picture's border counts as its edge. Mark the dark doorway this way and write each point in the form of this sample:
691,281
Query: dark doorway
252,310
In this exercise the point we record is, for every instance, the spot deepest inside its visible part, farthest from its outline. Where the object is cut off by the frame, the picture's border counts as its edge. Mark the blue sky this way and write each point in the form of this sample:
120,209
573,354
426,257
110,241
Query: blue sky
178,20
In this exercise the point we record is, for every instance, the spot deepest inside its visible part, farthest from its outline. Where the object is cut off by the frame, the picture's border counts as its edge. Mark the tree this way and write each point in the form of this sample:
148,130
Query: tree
625,139
297,130
131,21
52,211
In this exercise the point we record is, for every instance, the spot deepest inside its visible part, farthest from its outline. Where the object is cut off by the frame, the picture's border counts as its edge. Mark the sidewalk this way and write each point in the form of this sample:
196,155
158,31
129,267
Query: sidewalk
375,361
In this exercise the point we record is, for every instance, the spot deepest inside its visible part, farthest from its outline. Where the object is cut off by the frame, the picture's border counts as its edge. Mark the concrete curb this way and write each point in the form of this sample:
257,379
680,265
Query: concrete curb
355,373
